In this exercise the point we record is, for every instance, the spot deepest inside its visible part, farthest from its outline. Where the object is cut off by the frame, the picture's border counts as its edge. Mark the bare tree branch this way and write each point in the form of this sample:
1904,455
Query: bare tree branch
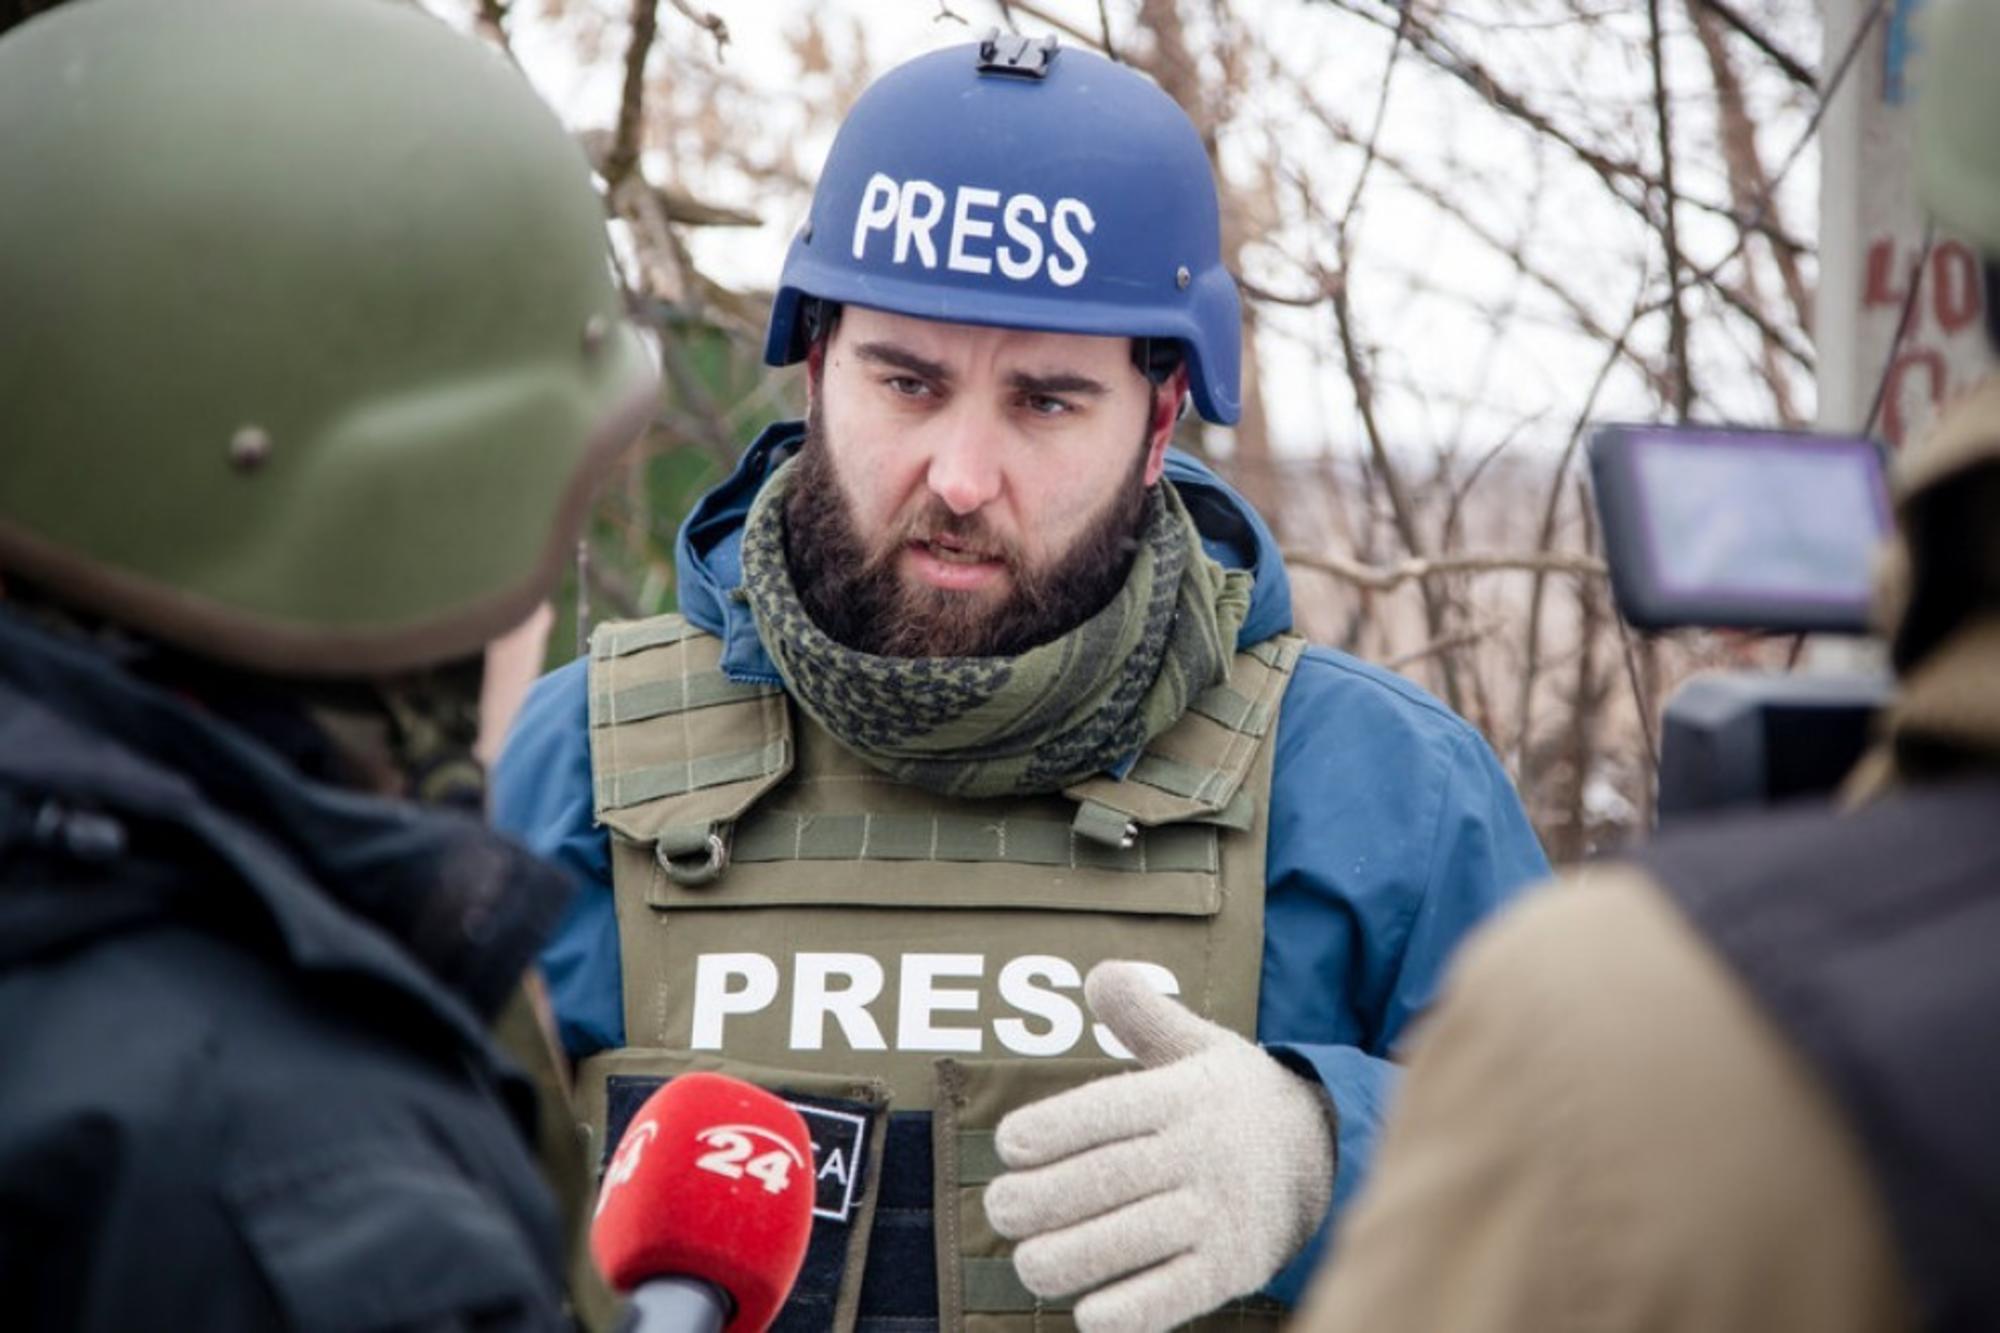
1524,703
1840,71
1374,140
1513,251
1642,699
1616,173
1586,700
1465,638
1400,508
1047,19
1379,578
491,23
1677,329
1727,293
624,154
1749,183
709,23
1794,69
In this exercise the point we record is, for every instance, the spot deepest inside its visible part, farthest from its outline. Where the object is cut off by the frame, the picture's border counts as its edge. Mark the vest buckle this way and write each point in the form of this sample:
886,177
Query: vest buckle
686,870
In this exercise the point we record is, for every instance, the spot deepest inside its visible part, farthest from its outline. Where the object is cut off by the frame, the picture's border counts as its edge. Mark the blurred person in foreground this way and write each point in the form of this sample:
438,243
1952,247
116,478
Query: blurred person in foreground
1749,1079
309,361
978,689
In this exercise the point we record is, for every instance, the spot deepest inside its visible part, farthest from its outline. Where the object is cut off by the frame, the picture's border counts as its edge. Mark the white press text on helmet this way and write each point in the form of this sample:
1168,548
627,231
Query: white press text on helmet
909,215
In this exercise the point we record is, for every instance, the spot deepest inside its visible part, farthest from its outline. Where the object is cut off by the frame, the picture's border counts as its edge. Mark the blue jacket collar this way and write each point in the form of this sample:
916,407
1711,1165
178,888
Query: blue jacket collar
709,551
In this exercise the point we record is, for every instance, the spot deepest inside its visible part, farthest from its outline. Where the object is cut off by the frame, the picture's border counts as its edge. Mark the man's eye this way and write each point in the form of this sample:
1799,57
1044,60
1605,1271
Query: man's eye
907,386
1044,405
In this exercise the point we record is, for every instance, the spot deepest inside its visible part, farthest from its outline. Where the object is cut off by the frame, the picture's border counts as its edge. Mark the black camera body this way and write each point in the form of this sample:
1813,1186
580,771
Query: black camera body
1776,531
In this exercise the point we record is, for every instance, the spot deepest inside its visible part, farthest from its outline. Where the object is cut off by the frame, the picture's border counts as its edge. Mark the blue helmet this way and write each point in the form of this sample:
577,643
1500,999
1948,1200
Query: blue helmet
1011,183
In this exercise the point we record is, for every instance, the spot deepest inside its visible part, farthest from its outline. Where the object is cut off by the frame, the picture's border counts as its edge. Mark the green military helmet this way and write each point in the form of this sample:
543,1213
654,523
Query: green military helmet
1958,181
1947,552
310,355
1958,104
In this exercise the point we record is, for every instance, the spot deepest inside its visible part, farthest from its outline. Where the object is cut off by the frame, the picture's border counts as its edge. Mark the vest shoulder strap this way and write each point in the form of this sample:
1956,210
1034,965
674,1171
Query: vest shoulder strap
678,751
1196,770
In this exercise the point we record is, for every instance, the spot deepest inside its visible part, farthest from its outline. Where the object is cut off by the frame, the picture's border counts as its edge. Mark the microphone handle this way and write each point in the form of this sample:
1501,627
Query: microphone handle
675,1305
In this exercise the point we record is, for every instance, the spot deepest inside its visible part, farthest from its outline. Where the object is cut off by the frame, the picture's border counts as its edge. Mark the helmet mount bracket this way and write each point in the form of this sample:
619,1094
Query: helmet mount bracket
1012,54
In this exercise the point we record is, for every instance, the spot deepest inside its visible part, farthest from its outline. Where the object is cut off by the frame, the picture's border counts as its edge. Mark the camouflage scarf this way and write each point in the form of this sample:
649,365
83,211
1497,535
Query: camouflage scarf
1035,722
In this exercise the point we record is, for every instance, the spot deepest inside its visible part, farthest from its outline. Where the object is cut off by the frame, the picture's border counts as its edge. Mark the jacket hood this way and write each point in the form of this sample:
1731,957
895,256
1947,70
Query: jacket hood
709,551
146,802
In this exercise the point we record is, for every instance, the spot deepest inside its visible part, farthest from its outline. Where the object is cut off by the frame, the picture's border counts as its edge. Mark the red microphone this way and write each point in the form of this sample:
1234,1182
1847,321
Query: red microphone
706,1207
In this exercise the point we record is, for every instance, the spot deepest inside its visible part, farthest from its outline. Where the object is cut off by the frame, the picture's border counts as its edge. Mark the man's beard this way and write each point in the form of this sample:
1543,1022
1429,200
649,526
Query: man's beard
859,597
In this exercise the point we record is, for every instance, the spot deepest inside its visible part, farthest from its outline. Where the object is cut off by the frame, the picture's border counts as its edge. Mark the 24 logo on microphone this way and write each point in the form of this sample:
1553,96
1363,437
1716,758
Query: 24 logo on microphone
734,1154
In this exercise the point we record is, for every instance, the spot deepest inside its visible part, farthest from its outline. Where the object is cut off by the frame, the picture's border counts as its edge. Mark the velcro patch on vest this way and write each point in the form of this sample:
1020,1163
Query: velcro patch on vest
900,1282
676,746
1195,770
840,1130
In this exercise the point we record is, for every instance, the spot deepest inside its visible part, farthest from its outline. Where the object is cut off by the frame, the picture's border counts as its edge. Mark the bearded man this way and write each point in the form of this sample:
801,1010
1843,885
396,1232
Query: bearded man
978,689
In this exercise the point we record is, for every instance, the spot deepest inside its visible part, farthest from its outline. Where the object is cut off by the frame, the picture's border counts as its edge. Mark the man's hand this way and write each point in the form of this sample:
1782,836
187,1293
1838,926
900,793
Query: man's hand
1170,1189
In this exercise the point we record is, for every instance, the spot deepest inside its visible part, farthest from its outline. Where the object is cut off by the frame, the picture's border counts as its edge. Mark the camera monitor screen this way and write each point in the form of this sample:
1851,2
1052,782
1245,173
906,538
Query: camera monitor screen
1711,526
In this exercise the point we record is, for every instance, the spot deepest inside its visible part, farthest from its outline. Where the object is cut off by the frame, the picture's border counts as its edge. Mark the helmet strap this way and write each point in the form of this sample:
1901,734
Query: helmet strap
1157,358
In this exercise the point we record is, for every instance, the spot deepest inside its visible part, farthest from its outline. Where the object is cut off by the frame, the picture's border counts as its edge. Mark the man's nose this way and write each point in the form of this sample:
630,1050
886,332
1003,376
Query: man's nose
965,468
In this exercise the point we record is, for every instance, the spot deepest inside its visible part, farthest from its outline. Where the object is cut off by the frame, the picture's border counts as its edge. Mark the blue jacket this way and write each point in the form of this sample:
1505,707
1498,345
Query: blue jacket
1393,831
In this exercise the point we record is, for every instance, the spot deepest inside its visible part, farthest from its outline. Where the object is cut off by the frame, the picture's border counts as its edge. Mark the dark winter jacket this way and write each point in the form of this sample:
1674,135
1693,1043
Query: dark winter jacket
244,1076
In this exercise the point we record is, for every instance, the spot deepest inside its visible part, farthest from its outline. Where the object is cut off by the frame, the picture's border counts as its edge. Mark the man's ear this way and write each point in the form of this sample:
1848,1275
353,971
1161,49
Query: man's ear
1168,401
815,367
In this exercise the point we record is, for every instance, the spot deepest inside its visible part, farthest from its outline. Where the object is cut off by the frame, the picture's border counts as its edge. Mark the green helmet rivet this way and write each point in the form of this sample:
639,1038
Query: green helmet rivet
595,330
248,448
1182,277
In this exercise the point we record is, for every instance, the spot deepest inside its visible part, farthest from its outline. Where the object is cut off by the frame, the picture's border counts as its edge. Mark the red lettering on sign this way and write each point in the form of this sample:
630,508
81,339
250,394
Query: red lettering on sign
1926,359
1882,278
1957,287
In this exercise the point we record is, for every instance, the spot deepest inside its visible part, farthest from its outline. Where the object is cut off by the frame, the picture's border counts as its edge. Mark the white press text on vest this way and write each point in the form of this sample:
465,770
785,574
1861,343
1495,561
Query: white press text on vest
848,1000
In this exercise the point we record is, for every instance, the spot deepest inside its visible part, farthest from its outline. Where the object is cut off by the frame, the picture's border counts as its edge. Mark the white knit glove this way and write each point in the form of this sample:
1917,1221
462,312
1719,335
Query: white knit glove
1170,1189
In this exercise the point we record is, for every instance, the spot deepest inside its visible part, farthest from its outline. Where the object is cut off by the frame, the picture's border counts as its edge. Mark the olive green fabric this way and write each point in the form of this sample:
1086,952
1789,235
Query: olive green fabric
1958,104
525,1030
1935,605
677,750
1034,895
1199,769
978,1289
1033,722
900,925
308,344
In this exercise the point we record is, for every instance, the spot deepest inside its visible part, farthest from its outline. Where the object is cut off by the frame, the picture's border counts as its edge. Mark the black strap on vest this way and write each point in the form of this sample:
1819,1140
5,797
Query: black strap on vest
1873,941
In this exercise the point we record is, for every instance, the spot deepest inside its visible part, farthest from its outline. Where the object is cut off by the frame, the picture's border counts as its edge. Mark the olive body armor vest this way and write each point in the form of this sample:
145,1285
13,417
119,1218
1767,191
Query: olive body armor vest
905,967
